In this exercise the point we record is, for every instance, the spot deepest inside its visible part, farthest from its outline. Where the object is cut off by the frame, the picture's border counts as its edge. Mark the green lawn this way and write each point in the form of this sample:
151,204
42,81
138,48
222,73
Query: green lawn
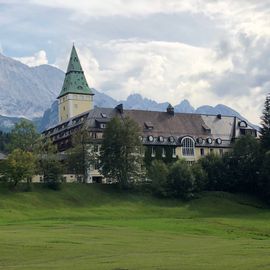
97,227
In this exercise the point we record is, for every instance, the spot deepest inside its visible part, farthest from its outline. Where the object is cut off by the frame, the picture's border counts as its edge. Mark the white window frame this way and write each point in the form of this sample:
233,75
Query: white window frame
163,152
188,147
174,152
153,152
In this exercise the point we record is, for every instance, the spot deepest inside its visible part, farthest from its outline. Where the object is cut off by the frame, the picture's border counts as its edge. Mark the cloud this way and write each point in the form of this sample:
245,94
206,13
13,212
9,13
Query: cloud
173,71
163,71
242,15
39,58
208,51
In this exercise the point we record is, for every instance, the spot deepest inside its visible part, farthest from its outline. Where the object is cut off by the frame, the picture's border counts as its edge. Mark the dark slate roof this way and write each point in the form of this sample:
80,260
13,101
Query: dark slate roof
165,124
153,123
97,116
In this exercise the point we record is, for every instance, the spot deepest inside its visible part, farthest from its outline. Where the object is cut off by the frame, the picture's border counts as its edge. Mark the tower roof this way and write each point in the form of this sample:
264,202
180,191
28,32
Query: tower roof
75,81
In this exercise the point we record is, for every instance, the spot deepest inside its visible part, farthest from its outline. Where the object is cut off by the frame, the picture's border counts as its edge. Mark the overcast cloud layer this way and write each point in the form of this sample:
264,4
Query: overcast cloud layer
206,51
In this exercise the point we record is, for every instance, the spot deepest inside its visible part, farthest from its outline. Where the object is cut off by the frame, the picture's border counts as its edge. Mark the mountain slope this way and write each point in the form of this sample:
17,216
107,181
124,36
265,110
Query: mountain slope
31,92
27,91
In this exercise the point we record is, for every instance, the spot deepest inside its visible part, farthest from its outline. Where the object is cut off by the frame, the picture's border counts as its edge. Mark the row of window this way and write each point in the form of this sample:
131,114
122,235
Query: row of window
153,152
186,140
76,97
202,152
186,151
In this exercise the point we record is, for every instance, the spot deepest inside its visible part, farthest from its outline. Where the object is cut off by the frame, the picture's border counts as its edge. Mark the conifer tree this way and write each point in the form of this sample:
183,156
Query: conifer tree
265,129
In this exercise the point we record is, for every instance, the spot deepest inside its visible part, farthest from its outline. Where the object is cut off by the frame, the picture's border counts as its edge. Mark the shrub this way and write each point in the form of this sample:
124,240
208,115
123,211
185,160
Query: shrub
181,181
200,177
52,175
157,173
264,178
214,168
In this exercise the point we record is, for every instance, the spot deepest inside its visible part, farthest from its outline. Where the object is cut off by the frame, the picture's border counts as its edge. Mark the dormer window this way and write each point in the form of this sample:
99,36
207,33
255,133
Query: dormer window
150,138
206,128
199,140
103,115
149,125
242,124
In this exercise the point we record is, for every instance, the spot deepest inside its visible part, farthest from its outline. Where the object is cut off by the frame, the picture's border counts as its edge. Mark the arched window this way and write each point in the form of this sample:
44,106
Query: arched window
188,146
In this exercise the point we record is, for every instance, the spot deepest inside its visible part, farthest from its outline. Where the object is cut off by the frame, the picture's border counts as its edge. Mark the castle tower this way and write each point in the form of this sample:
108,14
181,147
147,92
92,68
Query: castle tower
76,97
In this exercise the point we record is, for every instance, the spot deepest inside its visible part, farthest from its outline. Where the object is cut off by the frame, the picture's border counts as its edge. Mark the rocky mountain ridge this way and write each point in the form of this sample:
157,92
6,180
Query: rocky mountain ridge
31,92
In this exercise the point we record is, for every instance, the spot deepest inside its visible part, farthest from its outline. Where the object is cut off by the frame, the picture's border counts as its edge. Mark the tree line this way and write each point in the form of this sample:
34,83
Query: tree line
246,168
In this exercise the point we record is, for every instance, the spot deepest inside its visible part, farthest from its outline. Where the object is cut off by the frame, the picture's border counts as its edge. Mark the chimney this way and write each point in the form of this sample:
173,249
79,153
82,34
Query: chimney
170,109
120,108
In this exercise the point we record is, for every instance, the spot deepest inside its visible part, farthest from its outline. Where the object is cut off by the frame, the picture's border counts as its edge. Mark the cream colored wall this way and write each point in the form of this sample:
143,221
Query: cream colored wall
197,155
68,178
74,104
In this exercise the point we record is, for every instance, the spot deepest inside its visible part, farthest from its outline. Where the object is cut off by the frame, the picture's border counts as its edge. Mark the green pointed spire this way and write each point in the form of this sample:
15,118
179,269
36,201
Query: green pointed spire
75,81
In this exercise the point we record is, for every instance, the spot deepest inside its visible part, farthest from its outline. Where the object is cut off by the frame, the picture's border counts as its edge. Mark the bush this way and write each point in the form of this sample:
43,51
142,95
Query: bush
181,181
200,177
52,175
214,168
157,173
18,167
244,164
264,178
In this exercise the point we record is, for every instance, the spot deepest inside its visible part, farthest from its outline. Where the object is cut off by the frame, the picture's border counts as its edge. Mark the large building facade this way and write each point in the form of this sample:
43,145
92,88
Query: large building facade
166,135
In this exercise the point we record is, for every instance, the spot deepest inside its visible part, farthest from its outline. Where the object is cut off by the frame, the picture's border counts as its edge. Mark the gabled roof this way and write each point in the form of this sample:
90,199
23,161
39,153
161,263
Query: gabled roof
75,81
164,124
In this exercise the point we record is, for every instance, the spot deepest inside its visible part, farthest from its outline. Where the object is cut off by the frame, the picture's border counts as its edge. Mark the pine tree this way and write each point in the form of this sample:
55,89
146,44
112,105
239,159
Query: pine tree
265,129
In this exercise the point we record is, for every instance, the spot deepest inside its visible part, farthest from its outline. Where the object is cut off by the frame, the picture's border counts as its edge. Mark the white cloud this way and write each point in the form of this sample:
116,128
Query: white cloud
119,7
39,58
163,71
229,65
170,71
249,16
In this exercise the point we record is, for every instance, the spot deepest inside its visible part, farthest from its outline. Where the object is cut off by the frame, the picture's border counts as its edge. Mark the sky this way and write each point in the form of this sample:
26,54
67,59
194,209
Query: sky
207,51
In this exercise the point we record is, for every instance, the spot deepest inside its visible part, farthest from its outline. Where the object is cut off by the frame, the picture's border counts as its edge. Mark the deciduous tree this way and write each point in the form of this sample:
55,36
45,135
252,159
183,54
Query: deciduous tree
19,166
49,163
23,136
121,151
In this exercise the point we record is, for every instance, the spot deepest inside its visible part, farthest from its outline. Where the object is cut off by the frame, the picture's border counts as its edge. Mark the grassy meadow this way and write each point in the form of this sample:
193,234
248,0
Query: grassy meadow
98,227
